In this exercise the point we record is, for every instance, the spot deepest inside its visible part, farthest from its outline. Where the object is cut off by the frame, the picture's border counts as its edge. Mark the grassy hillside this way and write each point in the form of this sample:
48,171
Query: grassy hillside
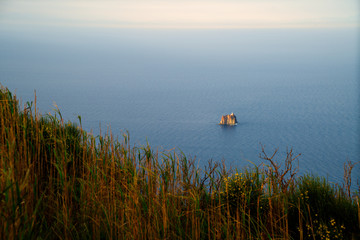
59,182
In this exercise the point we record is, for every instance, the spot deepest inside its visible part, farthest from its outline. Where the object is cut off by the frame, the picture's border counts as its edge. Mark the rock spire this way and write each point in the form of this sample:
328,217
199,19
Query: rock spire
228,119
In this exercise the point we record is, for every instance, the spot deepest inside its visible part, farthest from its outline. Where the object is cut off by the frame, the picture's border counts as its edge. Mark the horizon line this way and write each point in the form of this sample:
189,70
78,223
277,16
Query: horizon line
182,27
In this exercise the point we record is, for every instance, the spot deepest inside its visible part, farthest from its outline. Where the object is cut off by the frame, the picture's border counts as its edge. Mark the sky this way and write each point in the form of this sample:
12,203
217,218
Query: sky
182,13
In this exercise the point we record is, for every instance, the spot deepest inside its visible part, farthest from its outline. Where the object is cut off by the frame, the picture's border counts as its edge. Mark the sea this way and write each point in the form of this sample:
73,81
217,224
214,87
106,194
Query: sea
289,88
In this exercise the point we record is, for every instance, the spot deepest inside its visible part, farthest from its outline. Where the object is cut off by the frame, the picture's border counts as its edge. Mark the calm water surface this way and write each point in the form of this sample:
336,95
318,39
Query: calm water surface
288,88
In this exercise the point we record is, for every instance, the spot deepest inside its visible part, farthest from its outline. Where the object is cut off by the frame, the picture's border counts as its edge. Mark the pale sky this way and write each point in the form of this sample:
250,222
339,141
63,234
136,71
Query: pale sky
182,13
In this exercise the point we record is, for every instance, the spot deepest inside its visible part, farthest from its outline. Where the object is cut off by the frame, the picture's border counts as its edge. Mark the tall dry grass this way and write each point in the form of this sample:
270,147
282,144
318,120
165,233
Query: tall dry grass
59,182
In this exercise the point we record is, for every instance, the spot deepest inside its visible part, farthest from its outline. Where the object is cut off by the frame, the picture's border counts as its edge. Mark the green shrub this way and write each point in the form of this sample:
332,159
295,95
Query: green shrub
323,206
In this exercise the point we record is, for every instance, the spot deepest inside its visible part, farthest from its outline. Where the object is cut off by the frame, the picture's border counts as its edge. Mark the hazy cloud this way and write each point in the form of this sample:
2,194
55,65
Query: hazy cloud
183,14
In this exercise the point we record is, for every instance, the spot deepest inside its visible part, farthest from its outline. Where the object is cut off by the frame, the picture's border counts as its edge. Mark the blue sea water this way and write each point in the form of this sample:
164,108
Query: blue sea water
289,88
